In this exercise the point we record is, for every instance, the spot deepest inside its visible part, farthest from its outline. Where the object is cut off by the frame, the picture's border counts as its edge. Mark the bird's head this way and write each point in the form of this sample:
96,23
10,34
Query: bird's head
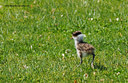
78,36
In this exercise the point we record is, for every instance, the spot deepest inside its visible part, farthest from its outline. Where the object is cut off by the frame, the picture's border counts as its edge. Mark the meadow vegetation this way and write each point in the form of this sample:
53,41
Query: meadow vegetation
35,44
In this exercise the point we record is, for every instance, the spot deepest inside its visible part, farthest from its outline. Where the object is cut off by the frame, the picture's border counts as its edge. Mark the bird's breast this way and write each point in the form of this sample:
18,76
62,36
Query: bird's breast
83,53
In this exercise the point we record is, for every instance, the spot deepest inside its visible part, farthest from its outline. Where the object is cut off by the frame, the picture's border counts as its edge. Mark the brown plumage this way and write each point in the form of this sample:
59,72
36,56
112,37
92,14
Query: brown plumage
85,47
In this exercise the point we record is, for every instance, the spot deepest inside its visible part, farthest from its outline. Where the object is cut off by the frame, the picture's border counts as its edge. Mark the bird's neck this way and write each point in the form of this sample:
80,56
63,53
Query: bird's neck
76,42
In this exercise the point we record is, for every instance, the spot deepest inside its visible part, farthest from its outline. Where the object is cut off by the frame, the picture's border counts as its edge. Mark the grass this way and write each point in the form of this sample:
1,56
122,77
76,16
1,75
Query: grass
33,40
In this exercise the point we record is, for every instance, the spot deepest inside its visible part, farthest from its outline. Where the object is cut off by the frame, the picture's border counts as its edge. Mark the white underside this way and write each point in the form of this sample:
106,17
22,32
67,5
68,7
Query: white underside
83,53
77,39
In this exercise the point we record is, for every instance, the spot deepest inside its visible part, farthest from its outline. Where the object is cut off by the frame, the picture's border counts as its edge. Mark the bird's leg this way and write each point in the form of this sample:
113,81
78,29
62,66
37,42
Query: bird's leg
81,58
92,61
80,54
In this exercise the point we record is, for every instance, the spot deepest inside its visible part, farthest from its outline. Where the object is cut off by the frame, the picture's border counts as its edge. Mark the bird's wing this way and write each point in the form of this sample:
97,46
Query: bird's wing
85,47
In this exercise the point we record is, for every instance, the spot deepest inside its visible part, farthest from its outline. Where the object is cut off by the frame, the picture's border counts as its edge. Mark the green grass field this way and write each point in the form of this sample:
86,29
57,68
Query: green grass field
35,44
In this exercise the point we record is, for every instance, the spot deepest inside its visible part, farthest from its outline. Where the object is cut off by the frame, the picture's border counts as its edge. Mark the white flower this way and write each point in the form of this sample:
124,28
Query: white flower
25,66
98,1
73,55
0,6
89,14
89,33
25,16
63,74
94,73
126,62
117,19
16,54
85,2
34,2
63,55
31,46
61,15
14,32
110,20
85,76
91,18
75,11
118,73
16,15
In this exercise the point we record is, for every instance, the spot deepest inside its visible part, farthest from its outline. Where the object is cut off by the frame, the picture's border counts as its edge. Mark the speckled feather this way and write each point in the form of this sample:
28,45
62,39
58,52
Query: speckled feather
85,47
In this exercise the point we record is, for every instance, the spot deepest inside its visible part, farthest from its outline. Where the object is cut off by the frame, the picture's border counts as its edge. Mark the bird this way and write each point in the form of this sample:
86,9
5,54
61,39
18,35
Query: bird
83,48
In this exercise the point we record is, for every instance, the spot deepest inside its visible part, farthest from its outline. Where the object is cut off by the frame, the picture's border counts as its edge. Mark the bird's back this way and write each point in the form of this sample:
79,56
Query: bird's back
85,47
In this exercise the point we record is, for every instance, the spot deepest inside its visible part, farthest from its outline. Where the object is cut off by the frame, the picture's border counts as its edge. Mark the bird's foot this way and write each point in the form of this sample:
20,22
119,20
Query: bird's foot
92,65
78,65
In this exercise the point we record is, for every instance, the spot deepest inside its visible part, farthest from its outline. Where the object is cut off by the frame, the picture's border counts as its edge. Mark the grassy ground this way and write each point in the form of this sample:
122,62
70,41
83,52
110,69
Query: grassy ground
35,43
